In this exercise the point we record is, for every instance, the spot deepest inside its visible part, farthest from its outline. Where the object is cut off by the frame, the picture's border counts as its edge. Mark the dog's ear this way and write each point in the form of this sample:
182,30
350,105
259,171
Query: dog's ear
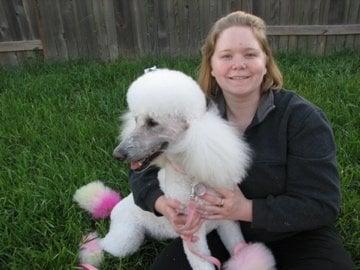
128,124
215,151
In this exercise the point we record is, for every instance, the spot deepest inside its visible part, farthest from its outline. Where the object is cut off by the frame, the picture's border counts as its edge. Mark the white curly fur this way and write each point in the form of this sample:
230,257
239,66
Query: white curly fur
207,148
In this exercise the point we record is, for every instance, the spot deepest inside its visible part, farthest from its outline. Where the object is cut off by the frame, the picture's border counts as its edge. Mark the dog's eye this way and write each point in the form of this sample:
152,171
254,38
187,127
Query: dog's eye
151,122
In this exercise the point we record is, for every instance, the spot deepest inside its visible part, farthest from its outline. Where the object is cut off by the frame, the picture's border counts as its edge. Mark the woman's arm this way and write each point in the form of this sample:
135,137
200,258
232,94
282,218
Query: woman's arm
312,196
145,188
312,190
148,196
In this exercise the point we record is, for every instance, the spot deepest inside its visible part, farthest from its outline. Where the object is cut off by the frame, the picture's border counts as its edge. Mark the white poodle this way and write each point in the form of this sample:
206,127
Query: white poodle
170,125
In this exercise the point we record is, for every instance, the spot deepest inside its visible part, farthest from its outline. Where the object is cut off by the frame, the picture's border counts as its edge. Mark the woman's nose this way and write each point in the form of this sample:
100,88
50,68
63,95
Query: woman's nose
239,63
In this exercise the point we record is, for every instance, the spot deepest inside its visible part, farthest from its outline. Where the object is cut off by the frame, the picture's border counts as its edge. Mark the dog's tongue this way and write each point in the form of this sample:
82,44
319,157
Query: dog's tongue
135,165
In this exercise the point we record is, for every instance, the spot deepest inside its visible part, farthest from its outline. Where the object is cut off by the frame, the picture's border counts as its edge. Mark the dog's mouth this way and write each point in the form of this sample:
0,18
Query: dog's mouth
142,164
139,165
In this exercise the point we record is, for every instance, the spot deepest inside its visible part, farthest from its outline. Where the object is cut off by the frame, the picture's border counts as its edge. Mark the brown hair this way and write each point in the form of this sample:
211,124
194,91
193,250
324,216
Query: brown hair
273,77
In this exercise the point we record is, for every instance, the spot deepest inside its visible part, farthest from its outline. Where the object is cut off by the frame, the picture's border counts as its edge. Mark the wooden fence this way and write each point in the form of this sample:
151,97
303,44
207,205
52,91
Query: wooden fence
107,29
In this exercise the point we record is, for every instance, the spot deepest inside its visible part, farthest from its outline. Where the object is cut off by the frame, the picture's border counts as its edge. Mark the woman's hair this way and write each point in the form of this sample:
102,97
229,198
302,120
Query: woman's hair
273,77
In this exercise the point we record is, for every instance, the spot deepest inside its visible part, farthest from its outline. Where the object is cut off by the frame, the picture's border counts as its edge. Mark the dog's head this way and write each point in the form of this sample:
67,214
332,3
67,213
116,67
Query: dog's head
162,104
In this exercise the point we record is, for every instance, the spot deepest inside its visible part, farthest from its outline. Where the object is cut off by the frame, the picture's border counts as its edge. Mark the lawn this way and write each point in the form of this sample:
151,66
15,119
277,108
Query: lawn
59,124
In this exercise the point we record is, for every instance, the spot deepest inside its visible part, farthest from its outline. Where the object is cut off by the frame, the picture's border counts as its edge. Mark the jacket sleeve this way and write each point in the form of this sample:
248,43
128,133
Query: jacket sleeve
312,195
145,188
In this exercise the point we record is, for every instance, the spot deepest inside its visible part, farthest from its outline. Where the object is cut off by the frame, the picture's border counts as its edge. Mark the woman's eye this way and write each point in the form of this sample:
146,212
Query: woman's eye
226,56
250,55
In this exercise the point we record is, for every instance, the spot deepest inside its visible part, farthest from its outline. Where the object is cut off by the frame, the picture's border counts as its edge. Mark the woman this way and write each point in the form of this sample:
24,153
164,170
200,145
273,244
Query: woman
290,198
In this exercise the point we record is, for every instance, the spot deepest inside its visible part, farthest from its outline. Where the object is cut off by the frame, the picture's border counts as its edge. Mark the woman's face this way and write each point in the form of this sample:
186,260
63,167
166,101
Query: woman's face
238,63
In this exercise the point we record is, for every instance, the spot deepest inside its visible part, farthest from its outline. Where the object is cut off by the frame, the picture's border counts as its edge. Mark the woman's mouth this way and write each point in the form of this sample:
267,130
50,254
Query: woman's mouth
238,78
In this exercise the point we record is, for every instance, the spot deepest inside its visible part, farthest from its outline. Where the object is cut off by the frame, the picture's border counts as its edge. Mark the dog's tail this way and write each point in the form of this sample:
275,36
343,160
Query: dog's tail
97,199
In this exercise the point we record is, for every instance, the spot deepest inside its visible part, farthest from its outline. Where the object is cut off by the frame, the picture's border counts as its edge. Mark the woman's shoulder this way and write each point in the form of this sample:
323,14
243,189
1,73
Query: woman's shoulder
290,101
300,112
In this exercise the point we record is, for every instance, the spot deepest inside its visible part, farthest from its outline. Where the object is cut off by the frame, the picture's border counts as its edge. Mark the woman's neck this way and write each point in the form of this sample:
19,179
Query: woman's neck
240,110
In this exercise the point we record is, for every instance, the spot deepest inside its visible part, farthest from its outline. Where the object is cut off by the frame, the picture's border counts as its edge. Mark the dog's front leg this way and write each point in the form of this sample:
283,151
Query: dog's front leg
127,230
197,251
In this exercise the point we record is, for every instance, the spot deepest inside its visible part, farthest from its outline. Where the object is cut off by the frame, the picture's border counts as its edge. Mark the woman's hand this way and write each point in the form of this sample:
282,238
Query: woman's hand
226,204
173,210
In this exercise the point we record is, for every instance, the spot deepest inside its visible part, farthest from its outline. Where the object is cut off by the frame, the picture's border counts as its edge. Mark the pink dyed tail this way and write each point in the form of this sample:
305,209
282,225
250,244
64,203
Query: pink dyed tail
97,199
107,201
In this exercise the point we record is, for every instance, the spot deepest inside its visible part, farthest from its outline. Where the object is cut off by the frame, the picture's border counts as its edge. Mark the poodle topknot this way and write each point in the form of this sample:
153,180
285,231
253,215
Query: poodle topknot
164,91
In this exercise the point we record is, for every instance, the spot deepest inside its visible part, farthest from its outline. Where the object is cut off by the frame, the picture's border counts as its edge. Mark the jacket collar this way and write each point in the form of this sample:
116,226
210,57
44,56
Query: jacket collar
266,105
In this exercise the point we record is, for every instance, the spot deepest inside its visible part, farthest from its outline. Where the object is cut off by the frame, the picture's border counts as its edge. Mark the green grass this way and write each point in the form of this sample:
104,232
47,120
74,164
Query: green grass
59,124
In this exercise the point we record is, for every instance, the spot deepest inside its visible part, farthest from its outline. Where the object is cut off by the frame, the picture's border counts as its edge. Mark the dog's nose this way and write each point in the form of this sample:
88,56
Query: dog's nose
120,154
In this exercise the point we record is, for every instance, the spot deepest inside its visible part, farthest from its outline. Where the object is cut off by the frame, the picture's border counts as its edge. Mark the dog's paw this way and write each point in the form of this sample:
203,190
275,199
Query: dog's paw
251,257
90,251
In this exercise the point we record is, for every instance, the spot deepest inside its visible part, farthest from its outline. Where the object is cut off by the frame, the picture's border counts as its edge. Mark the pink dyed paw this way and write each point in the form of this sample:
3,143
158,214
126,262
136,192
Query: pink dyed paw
241,245
86,266
90,251
251,257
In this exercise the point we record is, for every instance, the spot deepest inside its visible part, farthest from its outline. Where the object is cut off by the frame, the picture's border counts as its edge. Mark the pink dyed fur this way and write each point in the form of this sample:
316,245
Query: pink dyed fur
90,243
250,257
106,202
86,266
90,252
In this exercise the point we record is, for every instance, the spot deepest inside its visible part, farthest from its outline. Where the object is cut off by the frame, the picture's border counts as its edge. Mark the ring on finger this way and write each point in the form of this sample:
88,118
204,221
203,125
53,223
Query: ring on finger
221,204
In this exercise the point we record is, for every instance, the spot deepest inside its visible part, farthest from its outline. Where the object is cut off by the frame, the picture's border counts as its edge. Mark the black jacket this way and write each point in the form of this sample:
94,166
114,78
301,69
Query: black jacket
293,181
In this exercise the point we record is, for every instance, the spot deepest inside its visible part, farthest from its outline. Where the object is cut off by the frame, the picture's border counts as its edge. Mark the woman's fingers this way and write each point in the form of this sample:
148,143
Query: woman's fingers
175,212
191,230
213,199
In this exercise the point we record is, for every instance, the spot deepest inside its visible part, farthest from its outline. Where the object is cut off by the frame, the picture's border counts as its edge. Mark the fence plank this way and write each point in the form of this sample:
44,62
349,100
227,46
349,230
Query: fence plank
71,31
349,39
52,30
272,8
353,10
30,14
292,41
179,26
246,5
138,27
171,25
235,5
47,36
357,38
22,45
121,38
105,29
21,20
259,9
163,29
314,43
8,59
5,30
111,29
336,16
309,18
285,14
313,30
11,29
99,30
205,23
194,30
151,35
324,7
